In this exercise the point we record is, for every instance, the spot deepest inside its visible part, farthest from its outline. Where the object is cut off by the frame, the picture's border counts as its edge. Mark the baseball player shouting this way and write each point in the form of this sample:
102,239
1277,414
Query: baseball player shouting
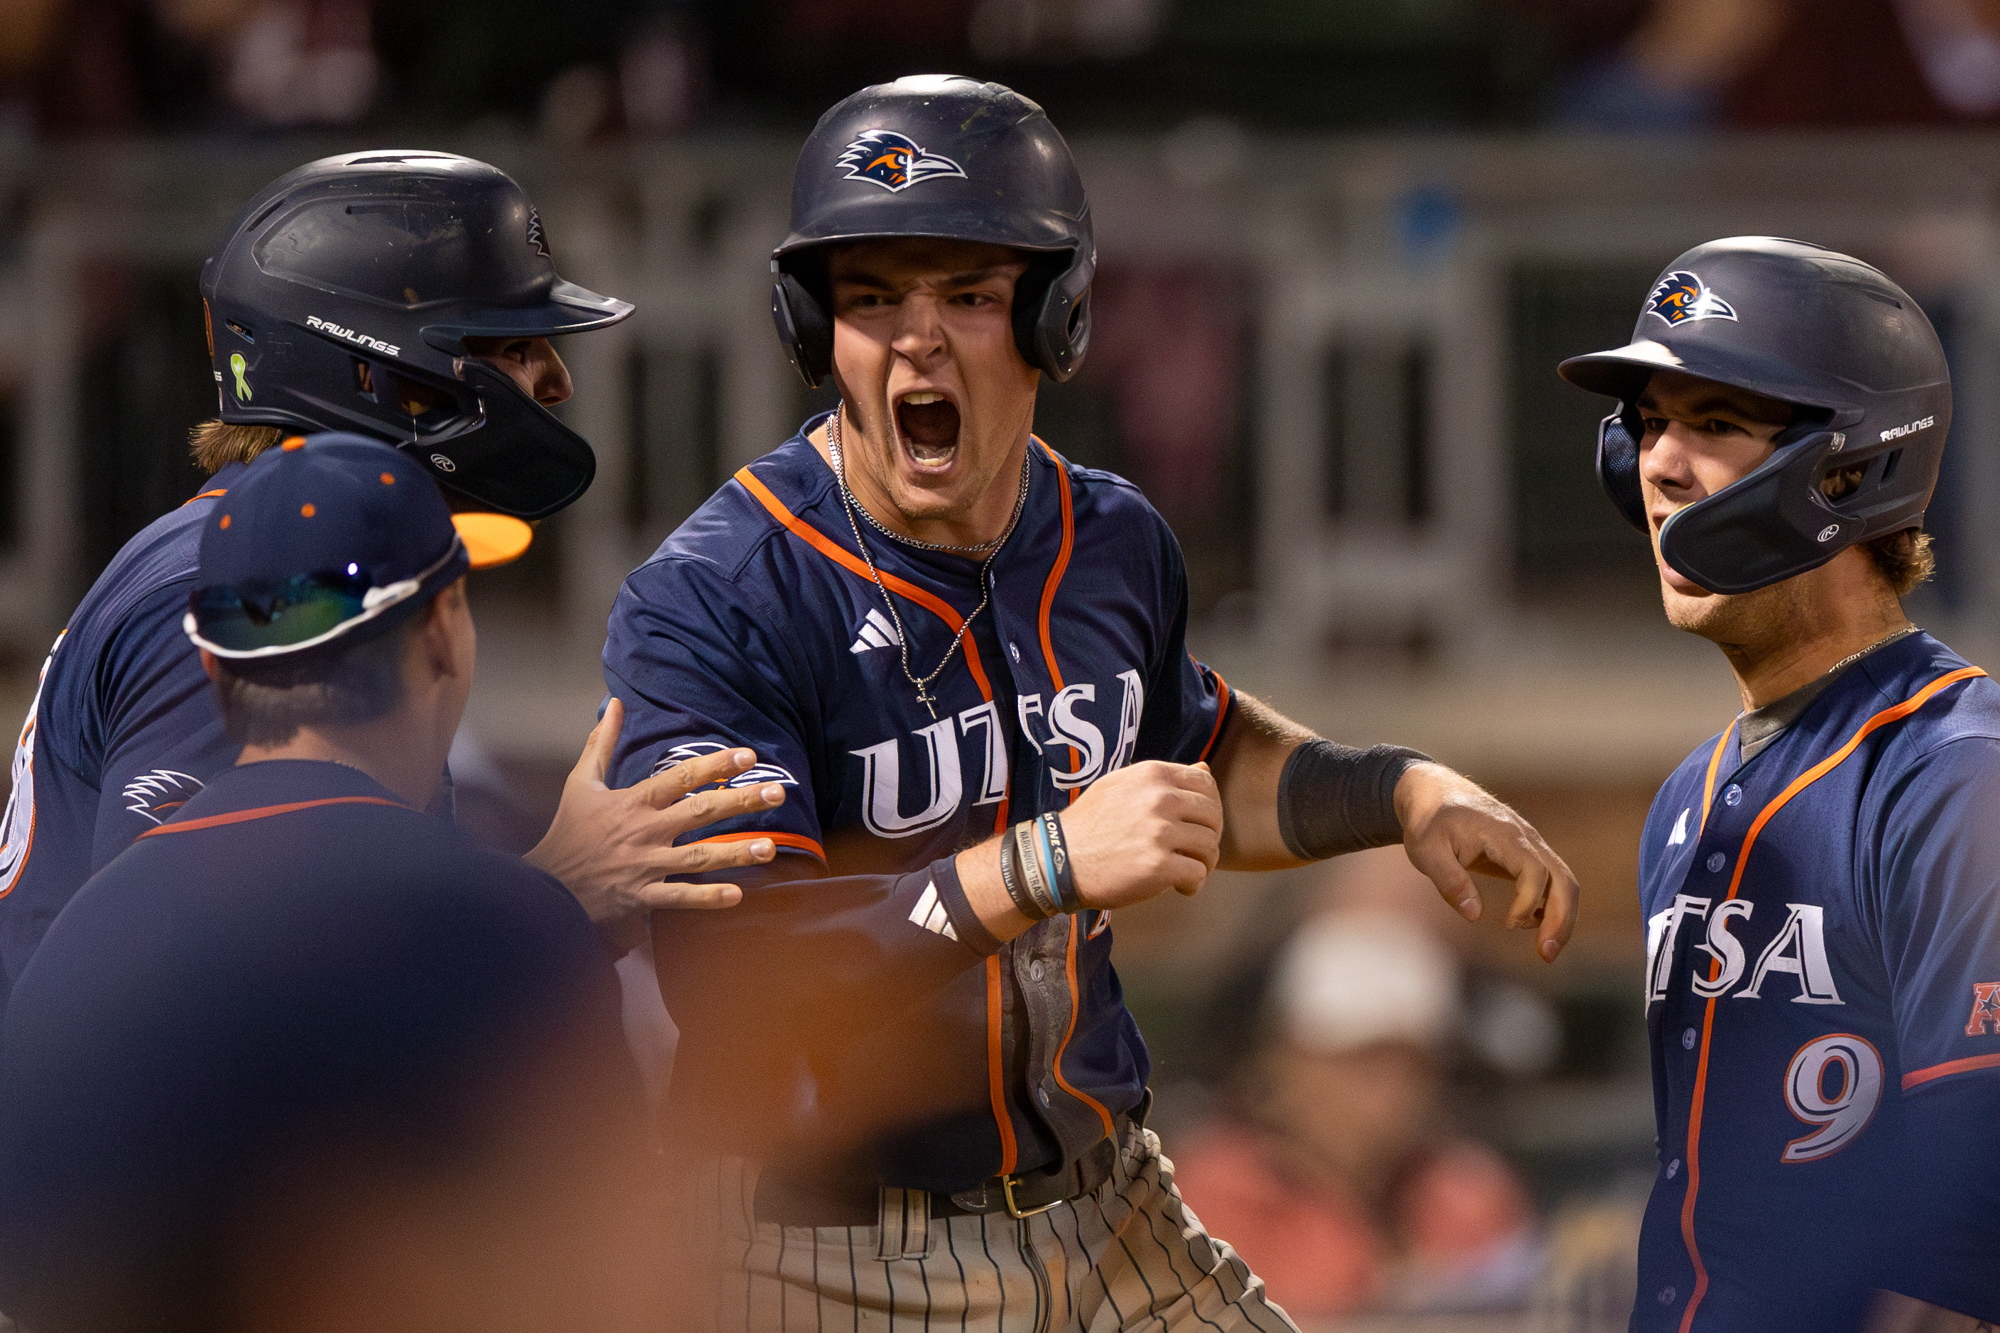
405,295
966,656
1822,880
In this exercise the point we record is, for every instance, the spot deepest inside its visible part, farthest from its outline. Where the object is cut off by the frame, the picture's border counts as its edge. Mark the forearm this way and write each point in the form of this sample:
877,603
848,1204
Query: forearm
986,893
1248,760
1290,797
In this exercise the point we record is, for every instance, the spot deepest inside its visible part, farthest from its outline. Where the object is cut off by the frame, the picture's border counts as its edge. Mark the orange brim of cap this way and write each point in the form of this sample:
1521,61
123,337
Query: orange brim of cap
493,539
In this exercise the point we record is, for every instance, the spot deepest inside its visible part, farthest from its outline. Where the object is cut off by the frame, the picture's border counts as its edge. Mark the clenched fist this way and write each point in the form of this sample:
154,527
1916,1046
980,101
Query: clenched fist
1141,830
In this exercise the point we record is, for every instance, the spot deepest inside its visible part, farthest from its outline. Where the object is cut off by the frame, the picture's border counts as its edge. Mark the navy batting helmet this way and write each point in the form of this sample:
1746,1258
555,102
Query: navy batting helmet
342,301
951,157
1826,333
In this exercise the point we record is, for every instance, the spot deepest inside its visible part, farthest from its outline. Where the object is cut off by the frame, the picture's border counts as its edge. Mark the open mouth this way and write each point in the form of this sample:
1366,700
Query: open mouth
927,424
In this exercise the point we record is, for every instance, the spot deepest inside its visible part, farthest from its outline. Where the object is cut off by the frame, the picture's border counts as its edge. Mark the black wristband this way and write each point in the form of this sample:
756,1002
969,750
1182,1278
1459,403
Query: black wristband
1058,852
1011,875
966,927
1334,798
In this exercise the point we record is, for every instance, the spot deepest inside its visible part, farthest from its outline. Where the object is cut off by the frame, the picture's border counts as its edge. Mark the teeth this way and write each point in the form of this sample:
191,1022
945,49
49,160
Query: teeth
923,399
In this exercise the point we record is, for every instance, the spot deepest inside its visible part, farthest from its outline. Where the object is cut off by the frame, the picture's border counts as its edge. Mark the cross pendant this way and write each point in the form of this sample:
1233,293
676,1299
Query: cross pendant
928,700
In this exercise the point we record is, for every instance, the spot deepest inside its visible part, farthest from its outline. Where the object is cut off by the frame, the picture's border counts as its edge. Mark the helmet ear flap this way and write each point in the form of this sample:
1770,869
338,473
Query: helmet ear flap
805,328
1052,313
1618,437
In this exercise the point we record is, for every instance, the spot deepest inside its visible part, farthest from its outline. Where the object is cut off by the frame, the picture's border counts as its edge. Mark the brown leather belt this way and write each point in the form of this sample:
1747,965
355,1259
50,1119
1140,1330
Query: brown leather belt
795,1203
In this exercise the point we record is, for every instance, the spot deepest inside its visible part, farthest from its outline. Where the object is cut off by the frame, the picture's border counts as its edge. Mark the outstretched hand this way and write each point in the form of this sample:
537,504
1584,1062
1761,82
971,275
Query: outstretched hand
1451,825
614,847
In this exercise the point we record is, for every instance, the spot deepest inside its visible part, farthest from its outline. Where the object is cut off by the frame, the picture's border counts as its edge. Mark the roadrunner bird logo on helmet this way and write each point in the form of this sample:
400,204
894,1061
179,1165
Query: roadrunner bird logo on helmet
1681,296
893,161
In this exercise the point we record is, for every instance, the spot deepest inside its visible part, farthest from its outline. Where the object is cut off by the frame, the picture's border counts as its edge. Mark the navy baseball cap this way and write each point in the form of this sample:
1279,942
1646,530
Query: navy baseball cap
331,536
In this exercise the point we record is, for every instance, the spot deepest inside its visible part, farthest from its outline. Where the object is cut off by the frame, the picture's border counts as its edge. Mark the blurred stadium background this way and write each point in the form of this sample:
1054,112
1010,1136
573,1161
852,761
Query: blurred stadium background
1343,244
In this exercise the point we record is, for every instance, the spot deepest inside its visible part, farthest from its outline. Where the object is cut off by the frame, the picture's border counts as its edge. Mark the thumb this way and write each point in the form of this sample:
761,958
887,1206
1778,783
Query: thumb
1439,863
595,762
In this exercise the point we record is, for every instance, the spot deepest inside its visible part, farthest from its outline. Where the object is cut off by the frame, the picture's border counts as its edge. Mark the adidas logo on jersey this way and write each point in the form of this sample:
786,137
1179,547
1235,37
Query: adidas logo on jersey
877,631
930,914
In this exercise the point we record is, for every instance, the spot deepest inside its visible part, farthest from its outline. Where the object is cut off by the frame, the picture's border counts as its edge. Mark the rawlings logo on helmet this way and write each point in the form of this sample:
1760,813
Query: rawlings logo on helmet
538,237
1682,296
893,161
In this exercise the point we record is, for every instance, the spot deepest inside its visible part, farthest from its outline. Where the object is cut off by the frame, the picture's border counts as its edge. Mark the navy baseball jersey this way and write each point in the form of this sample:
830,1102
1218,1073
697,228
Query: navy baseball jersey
123,729
1823,957
295,952
853,989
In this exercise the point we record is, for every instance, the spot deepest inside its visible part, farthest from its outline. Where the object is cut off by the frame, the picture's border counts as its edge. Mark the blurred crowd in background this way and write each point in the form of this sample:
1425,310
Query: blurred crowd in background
1377,1113
598,69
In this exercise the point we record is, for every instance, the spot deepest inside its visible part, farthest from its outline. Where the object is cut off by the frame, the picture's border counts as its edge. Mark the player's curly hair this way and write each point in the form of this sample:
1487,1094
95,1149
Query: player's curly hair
216,444
1904,558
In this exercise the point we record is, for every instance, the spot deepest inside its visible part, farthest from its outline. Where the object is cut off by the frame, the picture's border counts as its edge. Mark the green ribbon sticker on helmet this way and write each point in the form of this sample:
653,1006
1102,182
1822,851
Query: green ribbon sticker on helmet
240,366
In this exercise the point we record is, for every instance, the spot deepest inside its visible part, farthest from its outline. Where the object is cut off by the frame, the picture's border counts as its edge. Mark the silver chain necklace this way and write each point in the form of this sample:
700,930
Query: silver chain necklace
850,504
1882,642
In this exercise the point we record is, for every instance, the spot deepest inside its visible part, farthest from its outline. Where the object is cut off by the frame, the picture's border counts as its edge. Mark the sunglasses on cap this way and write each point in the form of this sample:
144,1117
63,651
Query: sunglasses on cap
302,612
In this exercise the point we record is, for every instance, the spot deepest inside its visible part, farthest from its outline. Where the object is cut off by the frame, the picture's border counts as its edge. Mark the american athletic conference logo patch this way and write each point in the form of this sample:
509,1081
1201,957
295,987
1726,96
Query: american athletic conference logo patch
893,161
1985,1009
1682,296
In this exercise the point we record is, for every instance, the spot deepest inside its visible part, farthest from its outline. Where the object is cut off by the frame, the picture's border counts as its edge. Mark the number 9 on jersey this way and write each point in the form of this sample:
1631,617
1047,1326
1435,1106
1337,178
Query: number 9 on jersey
1852,1067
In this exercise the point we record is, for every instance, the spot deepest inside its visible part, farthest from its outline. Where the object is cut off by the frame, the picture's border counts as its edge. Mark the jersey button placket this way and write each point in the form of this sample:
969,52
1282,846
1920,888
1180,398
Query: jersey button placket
1716,861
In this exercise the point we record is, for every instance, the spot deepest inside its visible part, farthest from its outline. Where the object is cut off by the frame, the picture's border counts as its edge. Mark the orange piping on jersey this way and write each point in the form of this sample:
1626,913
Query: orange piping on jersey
797,840
1921,1076
205,495
996,1069
265,812
1061,565
1075,1003
1764,816
1708,789
833,551
1056,572
1221,711
1054,581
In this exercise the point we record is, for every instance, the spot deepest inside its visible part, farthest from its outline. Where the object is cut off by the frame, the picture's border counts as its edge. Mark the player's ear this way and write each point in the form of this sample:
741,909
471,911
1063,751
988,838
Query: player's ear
210,665
444,632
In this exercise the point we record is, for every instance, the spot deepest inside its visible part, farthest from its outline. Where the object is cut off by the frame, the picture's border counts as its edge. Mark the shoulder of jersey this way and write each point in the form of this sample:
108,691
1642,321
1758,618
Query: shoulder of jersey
158,563
1974,712
1106,496
744,513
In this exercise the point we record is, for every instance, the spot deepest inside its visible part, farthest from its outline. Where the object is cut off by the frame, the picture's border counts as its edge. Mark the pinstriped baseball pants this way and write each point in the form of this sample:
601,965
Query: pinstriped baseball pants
1131,1256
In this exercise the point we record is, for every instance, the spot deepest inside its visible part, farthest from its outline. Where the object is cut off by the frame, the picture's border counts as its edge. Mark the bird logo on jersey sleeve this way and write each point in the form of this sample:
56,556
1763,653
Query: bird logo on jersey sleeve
155,796
893,161
749,777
